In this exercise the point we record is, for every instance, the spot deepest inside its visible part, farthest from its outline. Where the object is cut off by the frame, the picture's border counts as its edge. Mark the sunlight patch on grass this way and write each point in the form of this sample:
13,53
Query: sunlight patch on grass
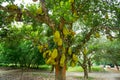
75,69
45,67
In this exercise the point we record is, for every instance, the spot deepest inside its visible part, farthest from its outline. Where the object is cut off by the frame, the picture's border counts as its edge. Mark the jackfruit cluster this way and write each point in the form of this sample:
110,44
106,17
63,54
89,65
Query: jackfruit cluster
65,31
57,38
85,51
46,54
62,60
54,54
50,56
50,61
74,60
72,63
39,11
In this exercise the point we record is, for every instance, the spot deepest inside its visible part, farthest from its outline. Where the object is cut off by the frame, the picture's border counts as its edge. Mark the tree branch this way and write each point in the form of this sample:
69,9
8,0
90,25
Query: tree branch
47,18
40,18
86,38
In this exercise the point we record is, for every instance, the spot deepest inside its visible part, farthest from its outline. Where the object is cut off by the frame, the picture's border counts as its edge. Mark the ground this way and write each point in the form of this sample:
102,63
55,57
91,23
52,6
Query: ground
32,74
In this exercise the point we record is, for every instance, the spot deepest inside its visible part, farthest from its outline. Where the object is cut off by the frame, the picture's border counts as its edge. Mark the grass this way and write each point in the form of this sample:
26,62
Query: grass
97,69
79,69
45,67
75,69
41,67
70,69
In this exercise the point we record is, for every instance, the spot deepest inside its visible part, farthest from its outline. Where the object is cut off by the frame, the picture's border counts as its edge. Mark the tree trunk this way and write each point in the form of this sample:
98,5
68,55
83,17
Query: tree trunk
60,72
117,67
85,67
85,73
89,65
52,69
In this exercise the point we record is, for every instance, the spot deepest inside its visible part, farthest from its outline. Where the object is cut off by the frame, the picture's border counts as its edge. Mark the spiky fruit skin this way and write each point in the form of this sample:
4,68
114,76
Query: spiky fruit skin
53,62
56,36
73,64
49,53
60,42
62,60
48,61
54,54
46,53
39,10
74,58
65,31
85,50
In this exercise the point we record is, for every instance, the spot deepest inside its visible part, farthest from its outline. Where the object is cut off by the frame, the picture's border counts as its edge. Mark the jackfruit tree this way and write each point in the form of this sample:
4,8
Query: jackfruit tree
71,24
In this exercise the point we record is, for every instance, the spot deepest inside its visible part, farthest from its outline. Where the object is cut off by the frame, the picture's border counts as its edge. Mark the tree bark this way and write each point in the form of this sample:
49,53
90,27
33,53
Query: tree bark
117,67
89,65
85,73
85,67
52,69
60,72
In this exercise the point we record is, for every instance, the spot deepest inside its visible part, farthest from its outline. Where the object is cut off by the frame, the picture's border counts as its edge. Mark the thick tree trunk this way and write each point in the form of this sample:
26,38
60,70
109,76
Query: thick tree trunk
60,72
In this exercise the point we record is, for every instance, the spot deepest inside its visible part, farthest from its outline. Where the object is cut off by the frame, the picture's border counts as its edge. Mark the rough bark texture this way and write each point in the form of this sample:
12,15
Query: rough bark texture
60,72
85,73
85,67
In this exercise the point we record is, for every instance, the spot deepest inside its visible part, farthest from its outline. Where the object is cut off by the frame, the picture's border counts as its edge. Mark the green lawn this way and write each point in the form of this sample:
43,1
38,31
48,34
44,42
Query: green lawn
79,69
